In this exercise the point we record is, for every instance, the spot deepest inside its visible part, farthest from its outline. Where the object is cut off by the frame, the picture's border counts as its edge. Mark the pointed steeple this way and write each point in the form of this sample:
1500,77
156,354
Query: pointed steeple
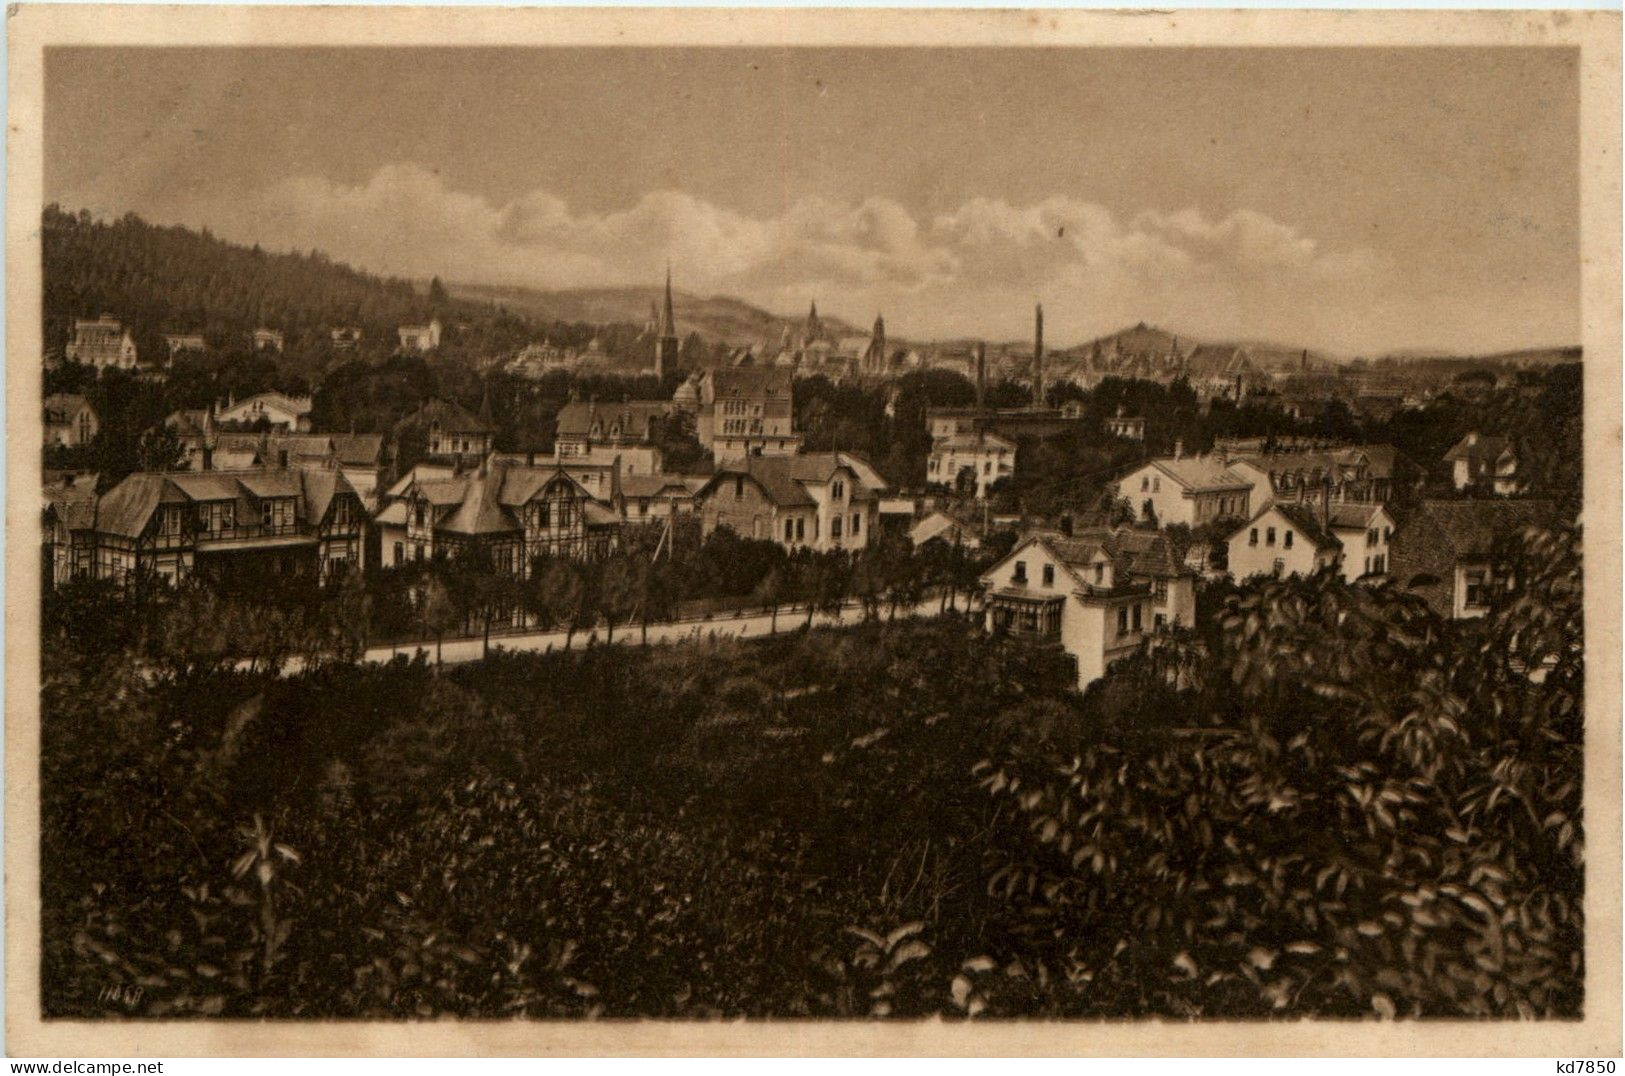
666,332
668,321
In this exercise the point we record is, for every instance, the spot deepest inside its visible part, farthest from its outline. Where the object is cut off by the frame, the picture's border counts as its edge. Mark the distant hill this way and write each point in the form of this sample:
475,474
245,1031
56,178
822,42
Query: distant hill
159,280
718,318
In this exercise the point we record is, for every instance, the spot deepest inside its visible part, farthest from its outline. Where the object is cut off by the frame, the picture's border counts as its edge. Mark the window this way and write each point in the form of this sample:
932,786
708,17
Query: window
789,530
1269,536
1279,566
265,513
1021,572
1160,621
987,466
417,514
1145,484
1387,535
1156,485
171,522
1252,539
1371,536
1286,539
1049,575
857,524
835,528
544,515
1138,611
1122,621
840,489
228,516
1100,575
400,553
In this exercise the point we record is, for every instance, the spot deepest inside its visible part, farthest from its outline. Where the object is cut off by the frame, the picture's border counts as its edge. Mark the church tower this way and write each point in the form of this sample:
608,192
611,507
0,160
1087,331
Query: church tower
877,347
814,329
666,333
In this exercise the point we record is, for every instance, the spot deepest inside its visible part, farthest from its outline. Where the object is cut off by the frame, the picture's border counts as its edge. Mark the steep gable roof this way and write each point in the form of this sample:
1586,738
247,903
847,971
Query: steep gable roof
451,416
634,417
60,407
1307,520
1476,447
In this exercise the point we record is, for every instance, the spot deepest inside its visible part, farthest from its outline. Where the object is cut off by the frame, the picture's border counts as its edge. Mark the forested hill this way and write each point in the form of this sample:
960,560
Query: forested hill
161,280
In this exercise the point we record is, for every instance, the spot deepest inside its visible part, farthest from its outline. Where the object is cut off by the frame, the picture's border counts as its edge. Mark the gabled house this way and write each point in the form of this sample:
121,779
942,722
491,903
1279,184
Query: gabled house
1221,371
971,462
1093,594
1126,426
295,524
950,530
275,410
517,513
69,527
416,339
69,420
102,342
1290,538
745,411
655,497
1444,550
452,431
1365,534
185,343
1192,490
606,431
821,500
1284,538
1488,464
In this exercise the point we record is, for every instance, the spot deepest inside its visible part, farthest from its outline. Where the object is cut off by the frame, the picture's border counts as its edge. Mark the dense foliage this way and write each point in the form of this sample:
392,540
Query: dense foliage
1323,800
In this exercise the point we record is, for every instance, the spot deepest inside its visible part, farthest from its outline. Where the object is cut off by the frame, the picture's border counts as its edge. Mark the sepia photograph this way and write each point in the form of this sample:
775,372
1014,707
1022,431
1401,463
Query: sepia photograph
978,524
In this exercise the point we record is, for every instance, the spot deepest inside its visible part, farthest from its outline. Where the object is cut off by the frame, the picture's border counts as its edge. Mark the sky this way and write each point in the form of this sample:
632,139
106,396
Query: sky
1351,200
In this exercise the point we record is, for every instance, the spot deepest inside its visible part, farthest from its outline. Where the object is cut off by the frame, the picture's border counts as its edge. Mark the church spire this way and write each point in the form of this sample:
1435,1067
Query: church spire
666,332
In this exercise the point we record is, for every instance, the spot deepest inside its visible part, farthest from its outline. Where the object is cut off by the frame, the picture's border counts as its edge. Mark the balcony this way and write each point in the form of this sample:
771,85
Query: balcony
1026,614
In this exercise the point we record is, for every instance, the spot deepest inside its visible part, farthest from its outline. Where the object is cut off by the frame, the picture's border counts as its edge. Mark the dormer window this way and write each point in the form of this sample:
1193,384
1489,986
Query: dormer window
1020,575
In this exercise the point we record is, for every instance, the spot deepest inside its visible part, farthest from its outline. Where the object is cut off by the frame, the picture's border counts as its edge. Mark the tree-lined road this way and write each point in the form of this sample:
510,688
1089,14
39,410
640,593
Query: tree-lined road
751,625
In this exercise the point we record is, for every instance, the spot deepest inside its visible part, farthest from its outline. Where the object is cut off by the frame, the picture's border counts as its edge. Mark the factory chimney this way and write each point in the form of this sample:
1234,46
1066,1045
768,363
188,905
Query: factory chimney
1038,357
981,375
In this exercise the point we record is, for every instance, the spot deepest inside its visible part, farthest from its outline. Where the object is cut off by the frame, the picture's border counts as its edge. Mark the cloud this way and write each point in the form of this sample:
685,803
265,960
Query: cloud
975,269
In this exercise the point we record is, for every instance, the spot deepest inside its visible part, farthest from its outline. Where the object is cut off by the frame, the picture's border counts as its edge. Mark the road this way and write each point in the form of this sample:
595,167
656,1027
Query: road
748,626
